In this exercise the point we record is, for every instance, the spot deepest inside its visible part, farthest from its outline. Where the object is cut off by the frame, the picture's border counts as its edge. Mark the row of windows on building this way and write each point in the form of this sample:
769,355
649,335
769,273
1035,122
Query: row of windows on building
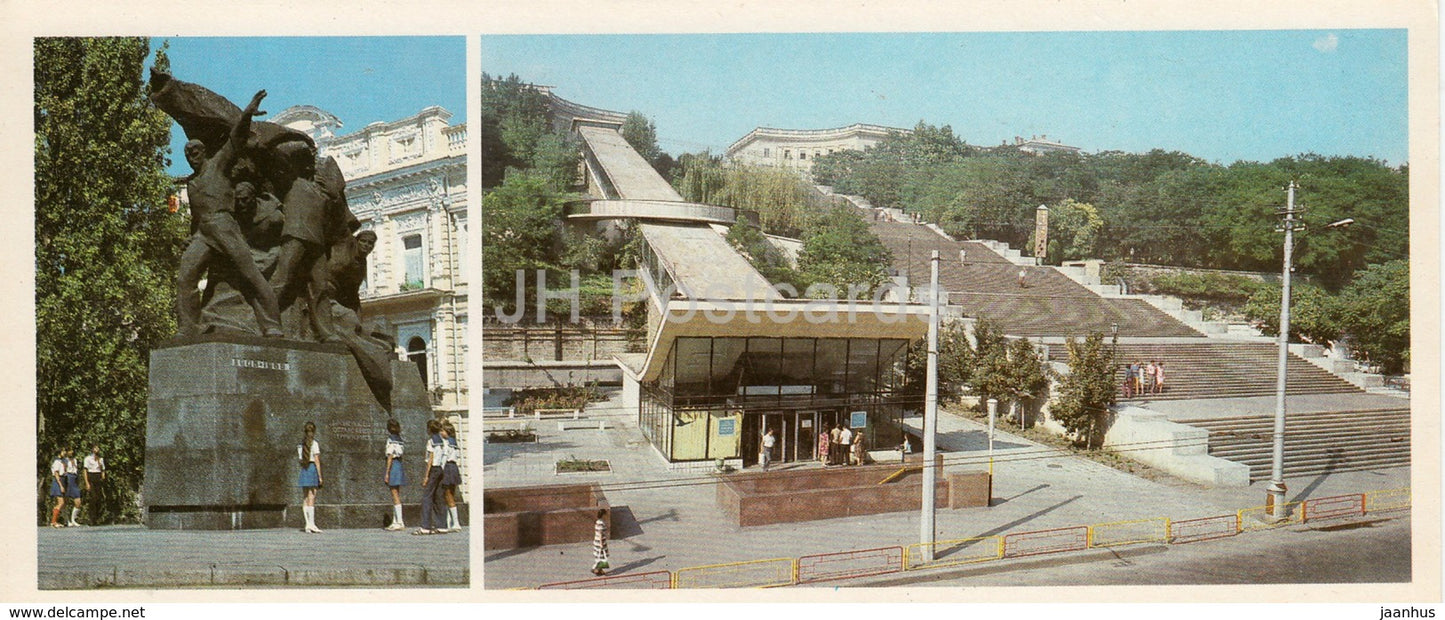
802,153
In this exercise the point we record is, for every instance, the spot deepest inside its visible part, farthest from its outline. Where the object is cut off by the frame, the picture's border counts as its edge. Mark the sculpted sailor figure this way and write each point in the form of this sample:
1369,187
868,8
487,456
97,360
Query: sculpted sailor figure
213,204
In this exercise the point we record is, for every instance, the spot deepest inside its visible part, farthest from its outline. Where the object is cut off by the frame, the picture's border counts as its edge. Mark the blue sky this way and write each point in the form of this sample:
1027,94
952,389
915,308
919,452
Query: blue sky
1220,95
359,79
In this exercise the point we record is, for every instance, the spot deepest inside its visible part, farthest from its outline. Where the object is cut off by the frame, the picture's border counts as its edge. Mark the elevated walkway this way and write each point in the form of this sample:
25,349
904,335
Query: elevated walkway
657,210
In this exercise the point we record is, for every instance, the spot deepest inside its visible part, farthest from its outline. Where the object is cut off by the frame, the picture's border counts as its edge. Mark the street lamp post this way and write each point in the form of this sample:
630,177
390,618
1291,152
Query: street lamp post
1275,493
926,530
992,418
1274,498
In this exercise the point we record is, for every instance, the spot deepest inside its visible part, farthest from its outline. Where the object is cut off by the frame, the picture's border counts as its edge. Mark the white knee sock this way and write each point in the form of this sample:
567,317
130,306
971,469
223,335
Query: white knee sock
396,515
310,513
453,523
74,512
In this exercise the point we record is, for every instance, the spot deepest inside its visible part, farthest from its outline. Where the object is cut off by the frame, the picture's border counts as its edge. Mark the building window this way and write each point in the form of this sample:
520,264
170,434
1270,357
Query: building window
767,152
416,352
802,154
412,257
787,153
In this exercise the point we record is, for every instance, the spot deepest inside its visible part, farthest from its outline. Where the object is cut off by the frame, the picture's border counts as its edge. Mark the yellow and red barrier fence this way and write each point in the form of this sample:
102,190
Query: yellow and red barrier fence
896,559
750,574
849,564
1120,533
656,580
1056,540
1207,528
953,552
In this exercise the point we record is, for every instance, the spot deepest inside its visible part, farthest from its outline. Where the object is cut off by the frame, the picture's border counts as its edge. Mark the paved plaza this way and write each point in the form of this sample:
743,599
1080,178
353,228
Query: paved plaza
131,556
671,520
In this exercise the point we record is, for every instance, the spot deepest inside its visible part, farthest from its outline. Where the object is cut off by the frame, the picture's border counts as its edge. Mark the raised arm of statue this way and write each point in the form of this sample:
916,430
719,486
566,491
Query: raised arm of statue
240,132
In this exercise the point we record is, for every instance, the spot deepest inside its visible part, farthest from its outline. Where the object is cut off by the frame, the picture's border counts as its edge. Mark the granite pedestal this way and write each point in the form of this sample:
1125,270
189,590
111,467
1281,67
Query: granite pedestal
224,418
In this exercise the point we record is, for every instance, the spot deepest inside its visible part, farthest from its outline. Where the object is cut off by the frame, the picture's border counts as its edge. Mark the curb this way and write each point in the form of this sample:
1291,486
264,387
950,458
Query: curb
254,576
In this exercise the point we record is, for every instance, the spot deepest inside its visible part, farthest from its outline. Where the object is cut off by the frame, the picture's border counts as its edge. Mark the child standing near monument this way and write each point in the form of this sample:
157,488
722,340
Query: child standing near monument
57,488
431,479
451,474
309,453
72,487
394,477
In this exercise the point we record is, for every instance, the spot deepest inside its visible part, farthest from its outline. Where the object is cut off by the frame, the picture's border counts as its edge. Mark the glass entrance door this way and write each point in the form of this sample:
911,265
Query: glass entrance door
807,436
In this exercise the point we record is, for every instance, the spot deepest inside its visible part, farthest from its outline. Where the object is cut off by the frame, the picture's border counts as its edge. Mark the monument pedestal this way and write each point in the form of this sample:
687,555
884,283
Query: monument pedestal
224,418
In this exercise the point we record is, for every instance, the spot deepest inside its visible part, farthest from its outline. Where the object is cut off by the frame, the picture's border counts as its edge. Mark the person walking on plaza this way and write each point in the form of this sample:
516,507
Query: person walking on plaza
1023,275
858,448
431,479
599,544
823,445
57,488
451,474
309,455
765,455
1159,378
395,477
1138,377
1149,377
72,487
94,482
1128,380
845,445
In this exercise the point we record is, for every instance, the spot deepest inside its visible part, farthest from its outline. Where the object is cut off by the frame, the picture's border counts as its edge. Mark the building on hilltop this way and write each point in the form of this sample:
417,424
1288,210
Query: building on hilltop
406,180
797,148
1038,145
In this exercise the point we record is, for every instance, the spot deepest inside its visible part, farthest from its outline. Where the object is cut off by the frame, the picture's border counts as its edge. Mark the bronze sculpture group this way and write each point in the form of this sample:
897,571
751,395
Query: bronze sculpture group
271,233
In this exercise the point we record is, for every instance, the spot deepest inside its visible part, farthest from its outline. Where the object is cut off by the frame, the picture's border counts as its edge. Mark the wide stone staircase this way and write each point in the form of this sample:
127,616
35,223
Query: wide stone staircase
986,284
1314,443
1221,369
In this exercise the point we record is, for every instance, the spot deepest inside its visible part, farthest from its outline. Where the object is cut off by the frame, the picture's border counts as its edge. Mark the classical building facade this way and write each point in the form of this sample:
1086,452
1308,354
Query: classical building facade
797,148
407,182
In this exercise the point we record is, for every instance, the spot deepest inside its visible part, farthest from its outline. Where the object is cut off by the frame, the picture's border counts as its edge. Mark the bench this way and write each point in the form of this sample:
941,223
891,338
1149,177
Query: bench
553,413
499,412
505,425
567,425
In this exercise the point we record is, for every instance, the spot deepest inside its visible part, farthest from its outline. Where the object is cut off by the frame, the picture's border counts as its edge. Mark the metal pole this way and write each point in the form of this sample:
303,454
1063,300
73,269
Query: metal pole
926,531
1276,492
992,417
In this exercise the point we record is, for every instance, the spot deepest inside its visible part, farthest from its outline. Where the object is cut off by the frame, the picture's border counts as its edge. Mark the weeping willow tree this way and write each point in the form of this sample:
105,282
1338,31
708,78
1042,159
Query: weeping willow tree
781,199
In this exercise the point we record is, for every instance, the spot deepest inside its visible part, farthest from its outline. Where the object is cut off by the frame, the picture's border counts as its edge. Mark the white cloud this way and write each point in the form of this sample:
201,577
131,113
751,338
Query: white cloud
1327,43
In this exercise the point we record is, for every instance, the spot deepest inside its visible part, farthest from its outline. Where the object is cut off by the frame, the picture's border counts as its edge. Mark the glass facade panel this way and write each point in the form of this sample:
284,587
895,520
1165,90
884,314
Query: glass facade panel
712,390
832,366
862,366
693,365
725,430
689,435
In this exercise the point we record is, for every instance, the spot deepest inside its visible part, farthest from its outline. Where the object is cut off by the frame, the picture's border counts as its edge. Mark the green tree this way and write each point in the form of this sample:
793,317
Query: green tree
1087,392
523,220
768,260
839,250
1011,371
515,132
107,246
1073,231
641,133
1375,311
1314,314
955,363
